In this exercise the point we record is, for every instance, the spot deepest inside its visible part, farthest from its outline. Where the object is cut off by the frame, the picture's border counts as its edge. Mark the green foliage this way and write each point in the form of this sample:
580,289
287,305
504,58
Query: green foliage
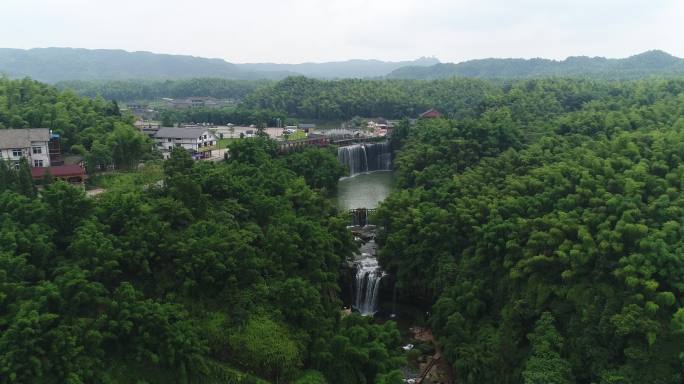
545,364
394,377
319,167
146,175
129,90
258,150
90,127
562,200
311,377
267,348
544,225
127,146
222,268
344,99
67,207
643,65
360,351
24,181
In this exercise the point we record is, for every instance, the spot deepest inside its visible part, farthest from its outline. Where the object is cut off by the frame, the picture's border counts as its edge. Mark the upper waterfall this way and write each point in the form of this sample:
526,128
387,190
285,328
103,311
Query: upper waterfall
366,157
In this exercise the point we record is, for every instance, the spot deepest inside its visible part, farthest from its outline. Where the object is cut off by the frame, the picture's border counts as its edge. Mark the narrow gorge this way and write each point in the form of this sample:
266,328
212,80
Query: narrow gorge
368,183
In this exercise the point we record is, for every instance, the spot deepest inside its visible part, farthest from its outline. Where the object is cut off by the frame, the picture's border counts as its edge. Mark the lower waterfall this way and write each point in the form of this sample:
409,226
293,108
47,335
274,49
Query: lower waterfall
368,277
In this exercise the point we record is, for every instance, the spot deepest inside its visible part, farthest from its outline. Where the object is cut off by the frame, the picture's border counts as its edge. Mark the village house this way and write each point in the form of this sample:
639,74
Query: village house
41,149
431,114
197,102
148,128
141,111
307,127
31,143
73,173
198,141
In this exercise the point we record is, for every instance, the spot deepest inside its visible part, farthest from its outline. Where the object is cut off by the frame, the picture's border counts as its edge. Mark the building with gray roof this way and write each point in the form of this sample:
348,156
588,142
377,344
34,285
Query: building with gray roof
197,141
31,143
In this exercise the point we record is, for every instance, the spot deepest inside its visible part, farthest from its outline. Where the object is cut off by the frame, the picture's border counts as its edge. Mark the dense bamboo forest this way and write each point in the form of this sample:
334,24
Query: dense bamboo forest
539,224
546,234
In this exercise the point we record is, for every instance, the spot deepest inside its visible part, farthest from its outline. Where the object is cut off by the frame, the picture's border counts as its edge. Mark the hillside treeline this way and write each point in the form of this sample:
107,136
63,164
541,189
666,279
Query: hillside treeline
140,90
224,273
94,128
546,233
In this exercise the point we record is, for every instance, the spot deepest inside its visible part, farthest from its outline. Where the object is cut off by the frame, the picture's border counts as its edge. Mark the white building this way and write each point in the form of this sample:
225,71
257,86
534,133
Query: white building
31,143
197,141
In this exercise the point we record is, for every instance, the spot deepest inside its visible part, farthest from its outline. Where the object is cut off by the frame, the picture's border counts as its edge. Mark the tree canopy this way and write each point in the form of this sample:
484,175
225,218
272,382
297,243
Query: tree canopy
546,233
93,128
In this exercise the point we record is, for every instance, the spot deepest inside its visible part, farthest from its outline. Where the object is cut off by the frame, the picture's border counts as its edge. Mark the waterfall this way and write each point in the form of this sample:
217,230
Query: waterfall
359,217
366,157
368,276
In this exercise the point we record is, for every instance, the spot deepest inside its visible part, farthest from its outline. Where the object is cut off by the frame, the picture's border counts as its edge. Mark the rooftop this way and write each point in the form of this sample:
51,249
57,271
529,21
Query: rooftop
431,113
58,171
22,137
183,133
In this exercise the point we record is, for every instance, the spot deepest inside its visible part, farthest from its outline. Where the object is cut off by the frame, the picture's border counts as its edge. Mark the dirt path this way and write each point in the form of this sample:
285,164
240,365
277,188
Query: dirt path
435,370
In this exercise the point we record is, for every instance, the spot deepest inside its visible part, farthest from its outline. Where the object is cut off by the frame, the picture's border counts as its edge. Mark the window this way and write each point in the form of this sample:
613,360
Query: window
37,150
16,152
37,163
169,139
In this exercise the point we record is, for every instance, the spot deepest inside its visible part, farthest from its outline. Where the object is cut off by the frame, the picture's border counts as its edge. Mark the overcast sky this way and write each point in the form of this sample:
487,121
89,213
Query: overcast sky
294,31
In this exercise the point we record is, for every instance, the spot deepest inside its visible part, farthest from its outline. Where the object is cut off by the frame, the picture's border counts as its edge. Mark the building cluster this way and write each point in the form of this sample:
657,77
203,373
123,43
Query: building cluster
41,149
201,140
146,112
197,102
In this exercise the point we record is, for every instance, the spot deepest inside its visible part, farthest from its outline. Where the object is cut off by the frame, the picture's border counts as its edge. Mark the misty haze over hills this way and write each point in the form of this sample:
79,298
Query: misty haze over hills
61,64
342,69
651,63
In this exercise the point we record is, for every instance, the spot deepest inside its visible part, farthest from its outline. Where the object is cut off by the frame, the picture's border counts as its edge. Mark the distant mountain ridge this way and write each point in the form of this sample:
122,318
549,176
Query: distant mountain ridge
650,63
63,64
342,69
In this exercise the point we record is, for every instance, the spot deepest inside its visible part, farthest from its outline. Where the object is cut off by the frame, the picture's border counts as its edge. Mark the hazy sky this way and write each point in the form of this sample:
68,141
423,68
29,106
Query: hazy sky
293,31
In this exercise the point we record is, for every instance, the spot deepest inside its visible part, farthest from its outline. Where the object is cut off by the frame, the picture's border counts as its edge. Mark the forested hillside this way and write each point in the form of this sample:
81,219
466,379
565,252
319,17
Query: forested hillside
94,128
77,64
540,226
62,64
546,233
303,98
647,64
70,64
227,273
343,99
134,90
356,68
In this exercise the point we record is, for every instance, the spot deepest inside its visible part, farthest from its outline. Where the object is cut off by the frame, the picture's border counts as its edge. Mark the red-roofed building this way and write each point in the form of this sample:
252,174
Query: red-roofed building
74,174
431,114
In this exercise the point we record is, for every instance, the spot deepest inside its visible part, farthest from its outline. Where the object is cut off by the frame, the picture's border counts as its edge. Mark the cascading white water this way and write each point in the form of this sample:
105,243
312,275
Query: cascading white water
365,157
368,276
